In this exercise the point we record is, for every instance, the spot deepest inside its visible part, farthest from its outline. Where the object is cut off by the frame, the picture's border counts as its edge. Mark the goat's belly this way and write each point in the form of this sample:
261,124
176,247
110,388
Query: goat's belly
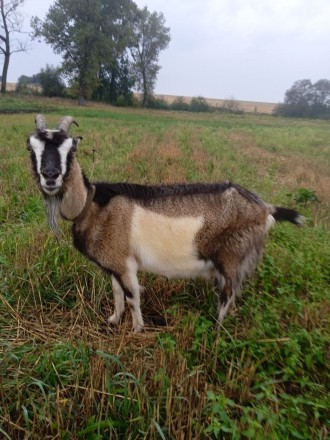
166,245
176,267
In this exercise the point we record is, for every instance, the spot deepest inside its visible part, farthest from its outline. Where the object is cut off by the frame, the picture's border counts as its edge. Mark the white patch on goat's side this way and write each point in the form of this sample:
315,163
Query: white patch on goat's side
38,148
270,223
64,150
166,245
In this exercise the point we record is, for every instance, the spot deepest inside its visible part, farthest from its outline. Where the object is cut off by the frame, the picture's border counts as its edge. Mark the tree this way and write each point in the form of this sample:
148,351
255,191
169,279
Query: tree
115,83
88,34
321,93
231,105
71,27
151,36
34,79
305,99
115,75
10,26
52,82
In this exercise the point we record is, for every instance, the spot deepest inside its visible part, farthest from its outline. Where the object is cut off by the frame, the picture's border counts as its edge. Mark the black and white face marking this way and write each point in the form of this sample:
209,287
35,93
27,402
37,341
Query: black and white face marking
51,153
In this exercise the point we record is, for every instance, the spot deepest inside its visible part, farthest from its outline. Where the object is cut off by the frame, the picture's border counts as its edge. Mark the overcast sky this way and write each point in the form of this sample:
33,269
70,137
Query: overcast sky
244,49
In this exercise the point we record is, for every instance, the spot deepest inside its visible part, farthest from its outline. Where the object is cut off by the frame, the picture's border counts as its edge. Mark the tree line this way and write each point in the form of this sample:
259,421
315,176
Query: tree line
305,99
108,47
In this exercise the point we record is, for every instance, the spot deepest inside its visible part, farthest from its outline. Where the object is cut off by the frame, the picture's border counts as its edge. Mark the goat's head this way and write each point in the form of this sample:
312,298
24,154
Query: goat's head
51,154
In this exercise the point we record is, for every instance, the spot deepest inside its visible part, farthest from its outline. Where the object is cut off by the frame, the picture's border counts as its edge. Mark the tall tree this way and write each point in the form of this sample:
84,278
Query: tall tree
321,95
151,36
71,27
10,25
117,30
300,93
86,33
115,83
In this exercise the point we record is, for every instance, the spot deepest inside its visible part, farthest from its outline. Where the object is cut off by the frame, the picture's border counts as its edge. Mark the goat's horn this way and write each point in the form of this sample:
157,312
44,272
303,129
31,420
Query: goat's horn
41,122
65,123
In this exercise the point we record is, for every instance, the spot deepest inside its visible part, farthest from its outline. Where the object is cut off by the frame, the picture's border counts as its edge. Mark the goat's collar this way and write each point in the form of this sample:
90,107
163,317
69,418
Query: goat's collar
89,200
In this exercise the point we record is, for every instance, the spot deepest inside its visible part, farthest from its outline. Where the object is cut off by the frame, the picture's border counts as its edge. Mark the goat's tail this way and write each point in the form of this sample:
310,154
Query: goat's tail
290,215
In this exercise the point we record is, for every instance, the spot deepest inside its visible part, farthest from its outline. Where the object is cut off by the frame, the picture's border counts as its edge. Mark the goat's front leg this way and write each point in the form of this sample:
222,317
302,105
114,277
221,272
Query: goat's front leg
132,295
119,298
129,285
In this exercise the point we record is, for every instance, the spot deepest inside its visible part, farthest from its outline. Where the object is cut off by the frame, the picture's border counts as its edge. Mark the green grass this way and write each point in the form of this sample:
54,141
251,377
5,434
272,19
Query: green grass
64,374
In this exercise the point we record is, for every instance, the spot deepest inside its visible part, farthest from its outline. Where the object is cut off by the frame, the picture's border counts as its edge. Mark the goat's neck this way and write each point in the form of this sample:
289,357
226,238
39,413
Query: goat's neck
75,195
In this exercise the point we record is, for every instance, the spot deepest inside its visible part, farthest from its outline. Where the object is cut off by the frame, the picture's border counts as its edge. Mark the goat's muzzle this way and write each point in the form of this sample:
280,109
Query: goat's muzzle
50,180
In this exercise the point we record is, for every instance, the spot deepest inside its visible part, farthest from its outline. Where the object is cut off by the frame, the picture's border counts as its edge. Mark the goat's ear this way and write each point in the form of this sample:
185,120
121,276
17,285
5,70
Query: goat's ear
75,143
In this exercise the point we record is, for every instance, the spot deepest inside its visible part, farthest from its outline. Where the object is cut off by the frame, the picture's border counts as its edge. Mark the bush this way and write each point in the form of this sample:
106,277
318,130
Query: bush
231,105
199,104
124,101
24,89
157,103
180,104
303,196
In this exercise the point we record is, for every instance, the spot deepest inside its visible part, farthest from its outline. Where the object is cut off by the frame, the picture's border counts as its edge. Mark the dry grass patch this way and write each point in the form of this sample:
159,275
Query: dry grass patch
150,162
167,161
292,171
119,374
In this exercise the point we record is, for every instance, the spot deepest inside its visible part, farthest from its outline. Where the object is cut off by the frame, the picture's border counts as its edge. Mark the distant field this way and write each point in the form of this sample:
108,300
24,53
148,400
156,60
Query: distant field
64,374
247,106
11,87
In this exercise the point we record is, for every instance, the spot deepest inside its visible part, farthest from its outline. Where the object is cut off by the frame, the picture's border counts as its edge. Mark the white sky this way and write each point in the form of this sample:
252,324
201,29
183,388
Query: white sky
243,49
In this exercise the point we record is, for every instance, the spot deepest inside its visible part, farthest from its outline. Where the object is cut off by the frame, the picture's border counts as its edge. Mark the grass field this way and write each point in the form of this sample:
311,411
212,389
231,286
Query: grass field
65,375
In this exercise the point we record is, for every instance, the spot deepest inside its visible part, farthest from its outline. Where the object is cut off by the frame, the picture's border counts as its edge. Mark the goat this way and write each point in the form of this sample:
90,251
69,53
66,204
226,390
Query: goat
210,230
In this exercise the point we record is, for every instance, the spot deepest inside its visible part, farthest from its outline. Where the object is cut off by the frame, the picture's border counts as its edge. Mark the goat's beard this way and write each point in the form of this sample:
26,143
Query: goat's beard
53,204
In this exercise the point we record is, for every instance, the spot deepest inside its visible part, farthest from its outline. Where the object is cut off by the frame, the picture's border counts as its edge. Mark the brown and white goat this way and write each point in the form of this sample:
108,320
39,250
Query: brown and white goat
181,230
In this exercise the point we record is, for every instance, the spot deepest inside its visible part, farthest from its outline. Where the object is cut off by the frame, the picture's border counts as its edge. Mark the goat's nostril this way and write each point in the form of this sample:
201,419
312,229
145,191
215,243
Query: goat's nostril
51,174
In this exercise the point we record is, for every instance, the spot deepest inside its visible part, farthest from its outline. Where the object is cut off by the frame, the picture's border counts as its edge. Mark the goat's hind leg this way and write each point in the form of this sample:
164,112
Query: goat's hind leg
226,297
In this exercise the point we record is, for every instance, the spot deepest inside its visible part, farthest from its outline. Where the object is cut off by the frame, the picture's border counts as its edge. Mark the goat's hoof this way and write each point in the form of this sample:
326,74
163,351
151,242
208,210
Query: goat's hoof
138,328
113,320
